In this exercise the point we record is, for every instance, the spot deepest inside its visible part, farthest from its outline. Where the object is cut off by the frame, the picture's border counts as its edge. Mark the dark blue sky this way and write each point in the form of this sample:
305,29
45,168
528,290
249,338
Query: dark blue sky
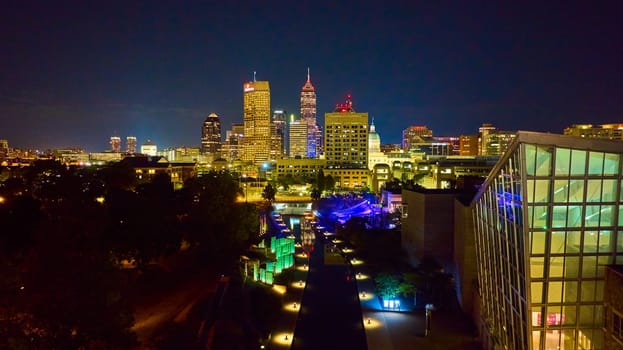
75,73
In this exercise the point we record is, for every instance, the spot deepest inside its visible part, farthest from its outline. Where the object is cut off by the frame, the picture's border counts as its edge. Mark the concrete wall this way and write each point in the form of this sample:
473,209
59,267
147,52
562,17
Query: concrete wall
613,299
464,255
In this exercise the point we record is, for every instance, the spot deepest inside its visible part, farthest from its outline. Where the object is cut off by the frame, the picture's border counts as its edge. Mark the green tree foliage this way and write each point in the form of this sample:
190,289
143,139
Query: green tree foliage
315,194
387,285
329,183
321,182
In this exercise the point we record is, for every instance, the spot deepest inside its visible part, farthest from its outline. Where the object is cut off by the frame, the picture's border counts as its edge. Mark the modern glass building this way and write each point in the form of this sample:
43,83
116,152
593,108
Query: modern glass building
547,221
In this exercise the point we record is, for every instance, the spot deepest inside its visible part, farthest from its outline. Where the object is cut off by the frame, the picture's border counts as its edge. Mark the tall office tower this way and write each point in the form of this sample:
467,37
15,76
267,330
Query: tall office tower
413,135
346,137
149,148
547,221
483,133
280,121
604,131
319,141
232,147
308,115
211,134
298,138
130,143
115,144
256,144
4,148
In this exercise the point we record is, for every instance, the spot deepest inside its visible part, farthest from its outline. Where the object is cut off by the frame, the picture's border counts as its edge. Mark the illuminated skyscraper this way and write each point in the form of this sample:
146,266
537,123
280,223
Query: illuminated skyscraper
494,142
115,144
604,131
547,221
149,148
256,102
130,143
308,115
211,134
298,138
346,137
232,148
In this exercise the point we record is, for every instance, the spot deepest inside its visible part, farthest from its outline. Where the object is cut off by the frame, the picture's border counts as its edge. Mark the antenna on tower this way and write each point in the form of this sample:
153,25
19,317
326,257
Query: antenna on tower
307,74
254,76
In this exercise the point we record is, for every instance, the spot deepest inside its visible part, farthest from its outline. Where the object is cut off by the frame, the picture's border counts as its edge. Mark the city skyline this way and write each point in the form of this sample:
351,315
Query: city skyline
76,75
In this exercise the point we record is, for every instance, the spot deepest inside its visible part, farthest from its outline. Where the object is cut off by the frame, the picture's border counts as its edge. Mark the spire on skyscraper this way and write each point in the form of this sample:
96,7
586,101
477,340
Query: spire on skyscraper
308,74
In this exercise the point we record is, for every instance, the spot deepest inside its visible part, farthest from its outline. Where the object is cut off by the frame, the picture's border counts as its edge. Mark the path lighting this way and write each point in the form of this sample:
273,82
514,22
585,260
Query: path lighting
369,320
294,305
363,294
429,310
286,337
300,283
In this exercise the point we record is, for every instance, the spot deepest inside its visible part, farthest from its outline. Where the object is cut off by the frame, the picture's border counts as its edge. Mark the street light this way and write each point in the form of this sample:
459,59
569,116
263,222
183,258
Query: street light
429,311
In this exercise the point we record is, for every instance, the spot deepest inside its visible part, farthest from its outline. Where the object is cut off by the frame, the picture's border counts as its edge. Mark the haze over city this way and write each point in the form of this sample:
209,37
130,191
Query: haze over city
74,73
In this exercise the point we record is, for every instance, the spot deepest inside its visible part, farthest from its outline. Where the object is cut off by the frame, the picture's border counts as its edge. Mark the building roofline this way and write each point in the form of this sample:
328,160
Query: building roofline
547,139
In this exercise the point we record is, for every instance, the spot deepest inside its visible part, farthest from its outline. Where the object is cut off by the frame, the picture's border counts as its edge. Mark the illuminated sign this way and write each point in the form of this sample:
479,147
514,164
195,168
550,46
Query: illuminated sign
248,89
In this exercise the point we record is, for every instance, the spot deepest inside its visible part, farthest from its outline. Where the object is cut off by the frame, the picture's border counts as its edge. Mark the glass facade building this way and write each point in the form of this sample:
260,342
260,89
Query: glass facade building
547,221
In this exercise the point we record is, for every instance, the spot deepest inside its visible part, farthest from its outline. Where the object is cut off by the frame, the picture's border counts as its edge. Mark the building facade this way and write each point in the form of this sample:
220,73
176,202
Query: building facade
211,134
279,136
468,145
256,103
149,148
130,143
346,138
308,116
547,221
298,138
115,144
413,134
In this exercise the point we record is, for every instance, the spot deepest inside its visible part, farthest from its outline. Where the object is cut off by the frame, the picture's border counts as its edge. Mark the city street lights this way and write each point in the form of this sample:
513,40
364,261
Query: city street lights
244,176
429,310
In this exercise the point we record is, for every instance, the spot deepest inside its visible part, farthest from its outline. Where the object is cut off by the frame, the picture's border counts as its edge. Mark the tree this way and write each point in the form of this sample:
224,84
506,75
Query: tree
269,193
329,184
315,194
387,285
321,181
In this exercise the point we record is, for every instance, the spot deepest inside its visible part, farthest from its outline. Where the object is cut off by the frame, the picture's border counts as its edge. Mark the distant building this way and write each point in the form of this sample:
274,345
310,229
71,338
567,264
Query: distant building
279,134
4,148
232,147
211,134
346,137
115,144
304,167
494,142
308,116
148,167
130,142
468,145
604,131
391,147
413,135
149,148
547,223
298,138
256,102
375,156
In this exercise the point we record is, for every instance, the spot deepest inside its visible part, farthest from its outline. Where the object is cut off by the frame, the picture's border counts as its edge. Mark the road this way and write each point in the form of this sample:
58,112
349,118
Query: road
330,316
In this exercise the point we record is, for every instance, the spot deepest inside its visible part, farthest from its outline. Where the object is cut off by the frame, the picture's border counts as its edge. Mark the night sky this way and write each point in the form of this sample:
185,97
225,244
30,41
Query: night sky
75,73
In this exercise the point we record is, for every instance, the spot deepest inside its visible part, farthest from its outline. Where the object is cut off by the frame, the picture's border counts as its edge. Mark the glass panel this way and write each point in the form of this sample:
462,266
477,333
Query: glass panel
607,215
574,216
556,265
573,241
593,191
592,216
620,215
530,159
559,216
536,292
576,191
571,292
536,339
536,267
586,315
563,159
599,291
590,242
620,241
530,190
537,320
605,242
588,291
552,338
568,337
557,243
578,162
595,163
589,266
609,190
611,164
539,219
602,261
538,242
543,161
561,190
554,292
541,191
572,266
